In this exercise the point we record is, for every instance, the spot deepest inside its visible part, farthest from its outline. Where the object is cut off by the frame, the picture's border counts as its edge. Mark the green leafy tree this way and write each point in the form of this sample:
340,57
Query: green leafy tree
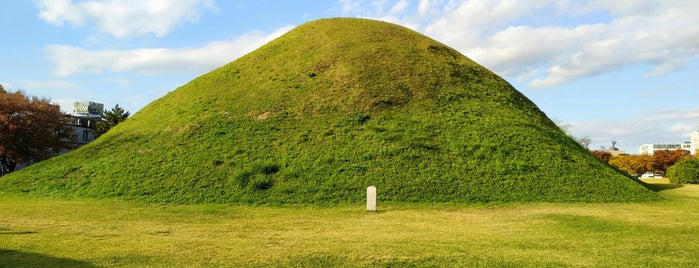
109,119
31,129
686,170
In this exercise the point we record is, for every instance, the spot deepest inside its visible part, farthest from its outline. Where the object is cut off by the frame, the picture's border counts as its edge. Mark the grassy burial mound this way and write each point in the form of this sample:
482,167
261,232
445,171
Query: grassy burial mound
326,110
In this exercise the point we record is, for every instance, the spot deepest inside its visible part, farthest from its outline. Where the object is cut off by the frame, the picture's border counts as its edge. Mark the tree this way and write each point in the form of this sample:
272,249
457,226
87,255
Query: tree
602,155
109,119
584,141
686,170
663,159
634,165
31,129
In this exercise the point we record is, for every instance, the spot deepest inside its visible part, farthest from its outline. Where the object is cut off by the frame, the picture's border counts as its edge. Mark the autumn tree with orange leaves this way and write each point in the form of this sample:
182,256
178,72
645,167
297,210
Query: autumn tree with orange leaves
31,129
633,164
664,159
638,164
604,156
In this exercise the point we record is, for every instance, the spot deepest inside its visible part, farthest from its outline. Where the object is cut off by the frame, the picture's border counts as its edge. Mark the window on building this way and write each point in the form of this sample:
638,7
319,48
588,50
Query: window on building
86,135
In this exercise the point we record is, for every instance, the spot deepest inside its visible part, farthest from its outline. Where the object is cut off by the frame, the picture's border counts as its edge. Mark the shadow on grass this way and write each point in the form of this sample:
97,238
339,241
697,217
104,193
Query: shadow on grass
12,258
5,231
659,187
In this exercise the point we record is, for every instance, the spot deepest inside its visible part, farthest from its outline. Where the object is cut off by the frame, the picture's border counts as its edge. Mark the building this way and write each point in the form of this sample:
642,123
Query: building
614,151
695,142
83,119
690,146
651,148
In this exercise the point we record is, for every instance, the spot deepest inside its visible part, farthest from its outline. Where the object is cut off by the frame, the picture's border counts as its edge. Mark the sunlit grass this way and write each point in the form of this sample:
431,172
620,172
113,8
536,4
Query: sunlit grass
116,233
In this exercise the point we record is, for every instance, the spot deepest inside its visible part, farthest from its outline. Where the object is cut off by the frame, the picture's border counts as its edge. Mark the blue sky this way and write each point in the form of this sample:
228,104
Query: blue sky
609,70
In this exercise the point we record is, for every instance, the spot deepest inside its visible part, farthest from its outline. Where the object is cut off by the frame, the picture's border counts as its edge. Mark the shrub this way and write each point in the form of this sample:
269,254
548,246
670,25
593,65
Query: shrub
685,171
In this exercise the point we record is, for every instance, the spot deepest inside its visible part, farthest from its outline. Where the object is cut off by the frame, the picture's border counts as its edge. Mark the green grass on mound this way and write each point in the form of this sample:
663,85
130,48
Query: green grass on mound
326,110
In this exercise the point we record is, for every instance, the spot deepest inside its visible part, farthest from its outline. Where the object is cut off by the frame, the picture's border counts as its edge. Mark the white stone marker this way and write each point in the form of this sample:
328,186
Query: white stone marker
371,198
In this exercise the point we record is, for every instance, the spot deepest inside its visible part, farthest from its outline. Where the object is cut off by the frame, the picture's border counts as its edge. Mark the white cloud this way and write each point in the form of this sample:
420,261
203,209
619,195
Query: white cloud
6,85
627,7
65,104
49,89
423,7
545,42
630,40
69,60
51,84
672,115
552,42
400,7
41,88
653,126
57,12
122,18
349,5
666,67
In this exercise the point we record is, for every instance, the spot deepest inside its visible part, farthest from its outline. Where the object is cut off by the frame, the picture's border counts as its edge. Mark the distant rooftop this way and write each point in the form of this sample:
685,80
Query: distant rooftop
87,109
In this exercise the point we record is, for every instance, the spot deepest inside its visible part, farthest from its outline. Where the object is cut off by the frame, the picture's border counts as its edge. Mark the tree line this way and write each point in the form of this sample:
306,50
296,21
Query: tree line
636,165
678,165
32,129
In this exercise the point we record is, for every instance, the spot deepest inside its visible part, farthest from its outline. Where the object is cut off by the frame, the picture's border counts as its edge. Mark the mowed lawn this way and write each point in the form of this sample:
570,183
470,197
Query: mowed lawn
86,233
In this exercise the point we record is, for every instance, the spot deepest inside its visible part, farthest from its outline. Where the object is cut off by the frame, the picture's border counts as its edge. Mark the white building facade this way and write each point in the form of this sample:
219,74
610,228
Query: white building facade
695,142
692,146
83,119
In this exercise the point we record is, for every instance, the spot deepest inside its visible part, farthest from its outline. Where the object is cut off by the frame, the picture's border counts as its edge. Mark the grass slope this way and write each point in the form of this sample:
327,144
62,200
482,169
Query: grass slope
326,110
